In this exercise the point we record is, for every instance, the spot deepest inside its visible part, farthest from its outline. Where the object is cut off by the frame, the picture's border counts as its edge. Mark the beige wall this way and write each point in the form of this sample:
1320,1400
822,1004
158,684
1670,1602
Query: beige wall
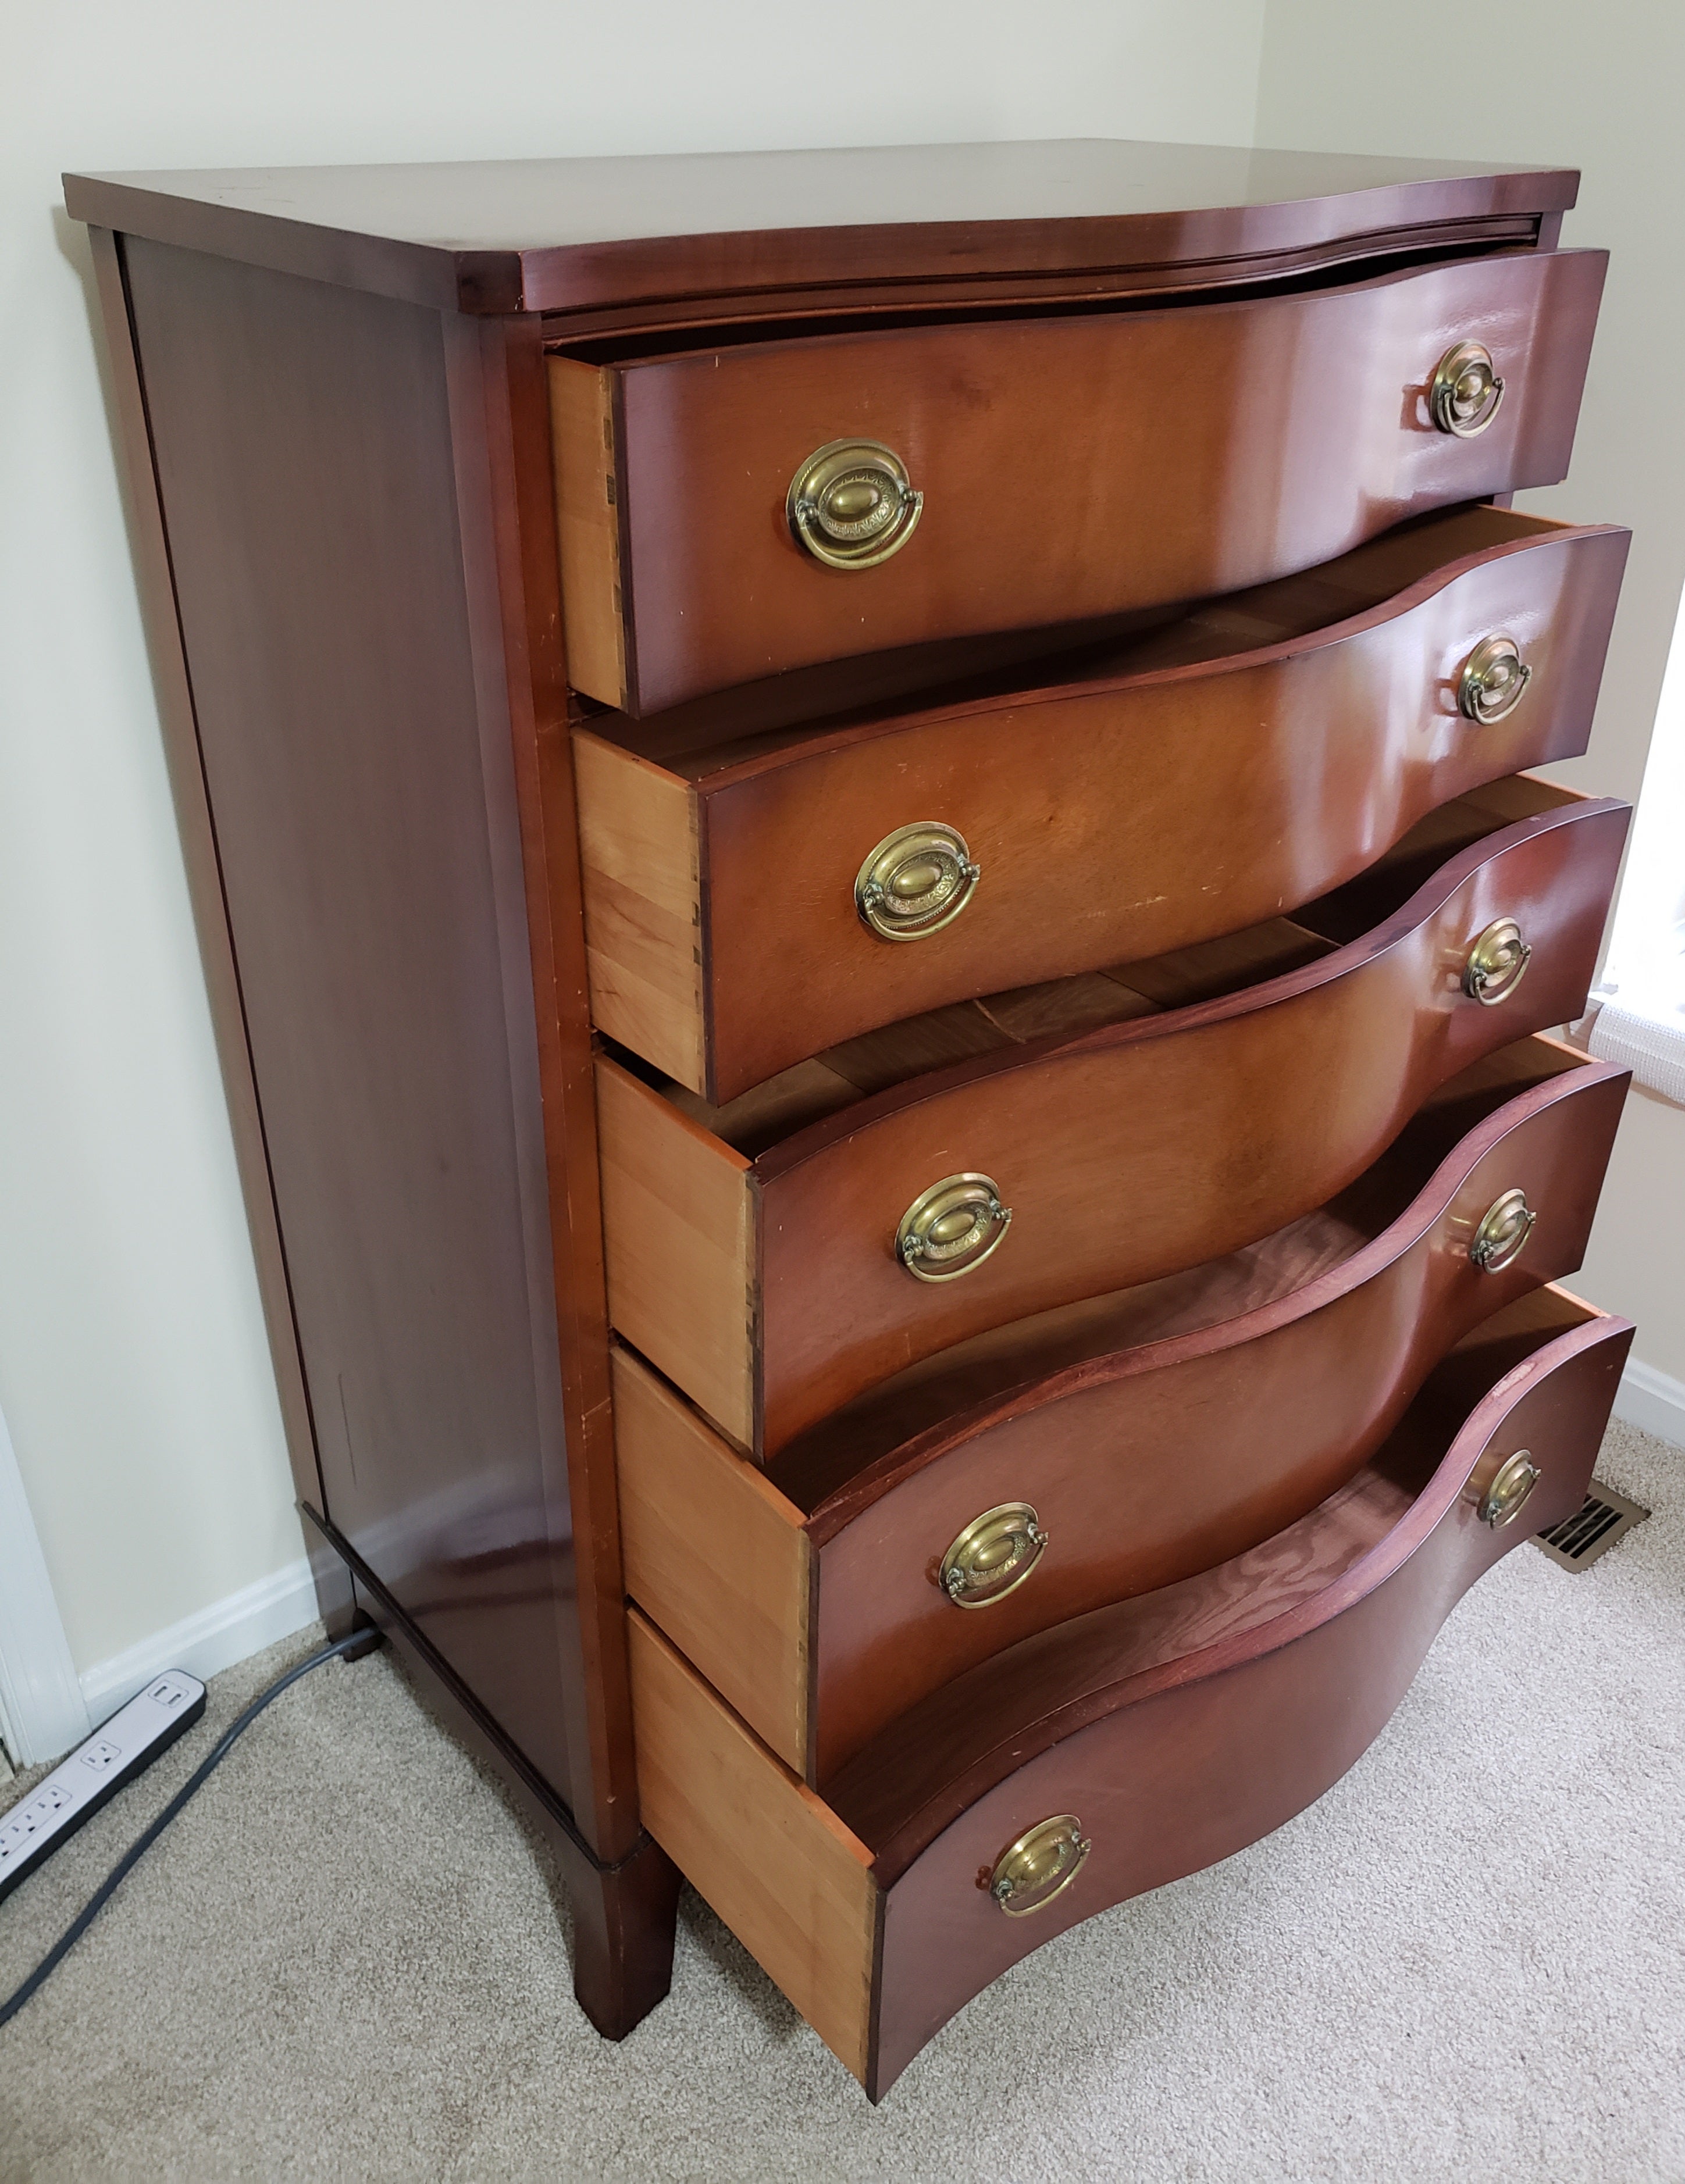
132,1363
1555,82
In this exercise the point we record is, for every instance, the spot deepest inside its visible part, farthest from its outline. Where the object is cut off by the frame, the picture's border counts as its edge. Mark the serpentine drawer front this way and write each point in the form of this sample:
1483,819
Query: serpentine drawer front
757,891
882,947
774,1271
1020,1479
1134,1745
747,507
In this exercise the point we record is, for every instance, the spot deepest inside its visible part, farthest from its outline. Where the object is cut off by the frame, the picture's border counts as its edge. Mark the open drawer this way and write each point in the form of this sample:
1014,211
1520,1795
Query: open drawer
740,508
1134,1745
1106,1449
777,1256
759,886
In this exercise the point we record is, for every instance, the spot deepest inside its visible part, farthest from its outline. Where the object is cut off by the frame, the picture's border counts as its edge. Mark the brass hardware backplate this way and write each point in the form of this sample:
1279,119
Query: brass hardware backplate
1507,1488
950,1228
1041,1864
1501,1235
1497,963
852,505
993,1555
1493,679
1465,391
917,880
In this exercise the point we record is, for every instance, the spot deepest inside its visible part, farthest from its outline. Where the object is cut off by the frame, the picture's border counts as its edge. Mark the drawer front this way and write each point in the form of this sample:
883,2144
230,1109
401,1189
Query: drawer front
1159,1144
1284,1401
1282,1406
1183,1766
1070,467
1108,820
1173,1731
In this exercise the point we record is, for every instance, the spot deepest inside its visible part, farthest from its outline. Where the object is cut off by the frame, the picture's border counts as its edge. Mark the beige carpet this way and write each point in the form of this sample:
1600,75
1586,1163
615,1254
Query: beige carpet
1465,1963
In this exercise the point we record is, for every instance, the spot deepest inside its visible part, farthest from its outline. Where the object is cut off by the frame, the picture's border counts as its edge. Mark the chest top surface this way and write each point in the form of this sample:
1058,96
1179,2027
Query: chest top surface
578,234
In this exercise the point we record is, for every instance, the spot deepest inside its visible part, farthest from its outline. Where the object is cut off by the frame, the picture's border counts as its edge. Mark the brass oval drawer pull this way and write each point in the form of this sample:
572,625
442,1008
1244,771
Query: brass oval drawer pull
951,1227
851,504
917,880
1464,395
993,1555
1041,1864
1513,1481
1503,1233
1493,678
1497,963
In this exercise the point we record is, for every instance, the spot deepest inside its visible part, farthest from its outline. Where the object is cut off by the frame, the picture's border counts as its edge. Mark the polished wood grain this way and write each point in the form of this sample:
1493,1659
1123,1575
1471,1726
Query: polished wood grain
379,701
359,799
1254,754
501,431
1070,466
1325,1330
792,1882
174,690
1214,1124
551,234
1177,1727
336,407
718,1555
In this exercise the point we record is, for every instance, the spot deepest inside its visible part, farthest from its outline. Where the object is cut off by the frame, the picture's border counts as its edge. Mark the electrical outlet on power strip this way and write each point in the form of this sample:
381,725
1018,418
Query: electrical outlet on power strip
118,1751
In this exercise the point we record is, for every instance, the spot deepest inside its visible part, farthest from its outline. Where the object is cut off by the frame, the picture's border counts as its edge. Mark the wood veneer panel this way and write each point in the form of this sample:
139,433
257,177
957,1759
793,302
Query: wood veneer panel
1246,758
544,235
204,871
501,429
358,772
789,1880
718,1555
1304,460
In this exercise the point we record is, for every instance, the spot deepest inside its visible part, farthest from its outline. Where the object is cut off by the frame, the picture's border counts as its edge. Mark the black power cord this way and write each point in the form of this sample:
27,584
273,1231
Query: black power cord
359,1641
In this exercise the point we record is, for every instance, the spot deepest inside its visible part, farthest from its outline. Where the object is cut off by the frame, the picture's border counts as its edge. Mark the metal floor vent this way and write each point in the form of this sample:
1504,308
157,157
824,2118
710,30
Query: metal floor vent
1605,1517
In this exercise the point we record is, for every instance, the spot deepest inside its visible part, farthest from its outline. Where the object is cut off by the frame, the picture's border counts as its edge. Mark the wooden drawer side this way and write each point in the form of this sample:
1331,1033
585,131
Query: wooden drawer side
676,1245
790,1880
638,855
716,1556
588,526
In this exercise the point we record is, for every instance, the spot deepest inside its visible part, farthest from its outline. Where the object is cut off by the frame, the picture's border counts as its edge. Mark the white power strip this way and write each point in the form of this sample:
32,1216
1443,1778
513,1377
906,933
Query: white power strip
118,1751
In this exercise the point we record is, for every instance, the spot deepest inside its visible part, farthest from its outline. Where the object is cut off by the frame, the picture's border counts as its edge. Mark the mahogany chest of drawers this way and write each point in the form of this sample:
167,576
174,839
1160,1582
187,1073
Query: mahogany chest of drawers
867,836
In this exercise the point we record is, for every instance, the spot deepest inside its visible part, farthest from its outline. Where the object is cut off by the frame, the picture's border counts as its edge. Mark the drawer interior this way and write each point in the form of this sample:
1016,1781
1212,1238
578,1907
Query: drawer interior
808,705
821,1462
730,1559
1046,1015
900,1781
1249,1684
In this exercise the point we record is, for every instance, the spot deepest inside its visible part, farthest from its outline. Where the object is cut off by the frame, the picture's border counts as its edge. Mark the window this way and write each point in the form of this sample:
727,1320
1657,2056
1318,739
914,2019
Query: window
1640,1020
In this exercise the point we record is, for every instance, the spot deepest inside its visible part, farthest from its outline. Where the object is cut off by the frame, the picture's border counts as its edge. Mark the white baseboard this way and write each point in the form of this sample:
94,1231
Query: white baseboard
216,1638
262,1614
1653,1401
